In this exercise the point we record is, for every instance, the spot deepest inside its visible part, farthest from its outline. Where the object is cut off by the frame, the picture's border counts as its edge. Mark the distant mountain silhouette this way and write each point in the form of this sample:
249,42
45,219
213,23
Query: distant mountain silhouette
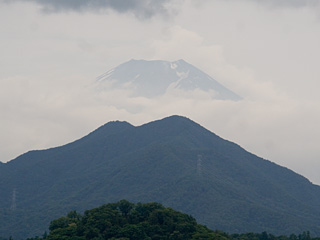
174,161
154,78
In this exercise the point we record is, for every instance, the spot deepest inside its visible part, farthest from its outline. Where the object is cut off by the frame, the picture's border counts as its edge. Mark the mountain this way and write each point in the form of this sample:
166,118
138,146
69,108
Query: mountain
174,161
154,78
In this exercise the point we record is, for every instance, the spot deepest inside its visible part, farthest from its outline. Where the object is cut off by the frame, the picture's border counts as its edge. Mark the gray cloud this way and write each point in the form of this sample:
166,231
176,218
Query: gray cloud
288,3
140,8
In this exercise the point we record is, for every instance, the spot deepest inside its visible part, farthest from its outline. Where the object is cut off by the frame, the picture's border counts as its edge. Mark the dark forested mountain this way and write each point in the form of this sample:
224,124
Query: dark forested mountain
173,161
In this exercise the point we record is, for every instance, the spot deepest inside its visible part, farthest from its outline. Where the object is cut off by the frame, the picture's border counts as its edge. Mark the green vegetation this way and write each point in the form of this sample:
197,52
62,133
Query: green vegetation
127,221
150,221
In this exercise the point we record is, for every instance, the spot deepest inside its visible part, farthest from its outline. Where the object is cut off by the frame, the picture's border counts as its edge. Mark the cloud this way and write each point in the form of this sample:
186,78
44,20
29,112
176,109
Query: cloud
140,8
287,3
190,46
265,51
51,114
280,129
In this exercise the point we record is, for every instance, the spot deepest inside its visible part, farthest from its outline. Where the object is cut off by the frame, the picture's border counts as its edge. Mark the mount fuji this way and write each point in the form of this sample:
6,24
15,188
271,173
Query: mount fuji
154,78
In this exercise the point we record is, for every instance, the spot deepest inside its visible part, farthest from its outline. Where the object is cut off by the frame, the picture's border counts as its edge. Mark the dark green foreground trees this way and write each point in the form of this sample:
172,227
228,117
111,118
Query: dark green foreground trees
127,221
150,221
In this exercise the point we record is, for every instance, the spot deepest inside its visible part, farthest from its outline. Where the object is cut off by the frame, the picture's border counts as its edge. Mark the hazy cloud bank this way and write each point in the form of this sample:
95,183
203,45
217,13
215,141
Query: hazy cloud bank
266,51
289,3
57,114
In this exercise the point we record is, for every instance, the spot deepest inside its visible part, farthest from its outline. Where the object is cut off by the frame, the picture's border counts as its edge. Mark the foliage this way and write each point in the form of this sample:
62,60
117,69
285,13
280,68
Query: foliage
125,220
150,221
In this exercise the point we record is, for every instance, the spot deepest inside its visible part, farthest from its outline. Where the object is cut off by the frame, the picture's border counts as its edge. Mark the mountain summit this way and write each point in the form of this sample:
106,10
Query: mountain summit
174,161
154,78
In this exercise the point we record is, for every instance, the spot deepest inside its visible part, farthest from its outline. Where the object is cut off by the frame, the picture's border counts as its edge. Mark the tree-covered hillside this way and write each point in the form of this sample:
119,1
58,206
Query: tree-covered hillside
173,161
125,220
150,221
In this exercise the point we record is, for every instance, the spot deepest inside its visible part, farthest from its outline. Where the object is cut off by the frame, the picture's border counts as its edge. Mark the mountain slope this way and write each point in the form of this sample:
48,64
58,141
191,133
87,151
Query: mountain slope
174,161
154,78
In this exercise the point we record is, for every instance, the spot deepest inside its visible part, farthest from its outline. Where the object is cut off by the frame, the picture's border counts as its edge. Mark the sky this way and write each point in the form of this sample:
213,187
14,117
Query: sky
268,52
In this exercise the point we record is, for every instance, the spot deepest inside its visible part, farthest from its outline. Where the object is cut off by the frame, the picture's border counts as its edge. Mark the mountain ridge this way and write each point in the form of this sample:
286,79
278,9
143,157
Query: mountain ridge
174,161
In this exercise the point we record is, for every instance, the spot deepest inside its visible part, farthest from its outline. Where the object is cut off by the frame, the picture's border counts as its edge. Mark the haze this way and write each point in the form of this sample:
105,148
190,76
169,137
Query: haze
266,51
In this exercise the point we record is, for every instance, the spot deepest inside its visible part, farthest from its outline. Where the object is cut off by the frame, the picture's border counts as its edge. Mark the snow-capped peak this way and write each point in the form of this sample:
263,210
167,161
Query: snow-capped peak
153,78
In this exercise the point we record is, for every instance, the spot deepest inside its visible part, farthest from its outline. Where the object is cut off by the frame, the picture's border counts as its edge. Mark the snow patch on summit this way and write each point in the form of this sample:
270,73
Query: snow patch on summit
182,75
173,66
